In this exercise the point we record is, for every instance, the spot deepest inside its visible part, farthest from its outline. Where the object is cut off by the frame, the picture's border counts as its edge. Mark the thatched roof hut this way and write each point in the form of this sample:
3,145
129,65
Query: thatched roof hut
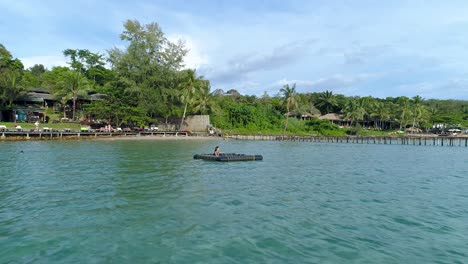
332,117
336,119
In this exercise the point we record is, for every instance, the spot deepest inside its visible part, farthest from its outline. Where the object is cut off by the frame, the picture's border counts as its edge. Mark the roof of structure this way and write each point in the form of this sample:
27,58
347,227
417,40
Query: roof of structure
331,116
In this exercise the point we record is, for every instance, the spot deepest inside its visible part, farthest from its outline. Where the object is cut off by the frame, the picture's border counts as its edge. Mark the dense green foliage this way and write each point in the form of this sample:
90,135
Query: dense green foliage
146,82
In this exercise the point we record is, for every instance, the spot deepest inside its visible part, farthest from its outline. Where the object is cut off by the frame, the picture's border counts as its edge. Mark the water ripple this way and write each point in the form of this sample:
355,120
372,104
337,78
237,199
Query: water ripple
144,201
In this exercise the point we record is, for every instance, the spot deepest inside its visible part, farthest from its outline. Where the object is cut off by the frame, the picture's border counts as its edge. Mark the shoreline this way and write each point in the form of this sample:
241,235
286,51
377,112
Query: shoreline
18,138
414,139
87,135
140,138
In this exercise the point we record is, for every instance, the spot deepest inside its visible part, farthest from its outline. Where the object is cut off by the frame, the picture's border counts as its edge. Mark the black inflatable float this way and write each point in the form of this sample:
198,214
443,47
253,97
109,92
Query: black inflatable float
228,157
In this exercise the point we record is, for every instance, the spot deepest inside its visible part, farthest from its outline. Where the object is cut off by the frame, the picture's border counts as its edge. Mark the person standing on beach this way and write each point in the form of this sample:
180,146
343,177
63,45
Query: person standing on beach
36,124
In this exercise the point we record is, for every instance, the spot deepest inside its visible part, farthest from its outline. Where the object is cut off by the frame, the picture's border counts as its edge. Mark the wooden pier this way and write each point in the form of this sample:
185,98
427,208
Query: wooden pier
57,135
385,140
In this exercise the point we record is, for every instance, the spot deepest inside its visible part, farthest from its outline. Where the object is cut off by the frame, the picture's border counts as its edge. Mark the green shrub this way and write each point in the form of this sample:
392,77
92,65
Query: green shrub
323,127
355,131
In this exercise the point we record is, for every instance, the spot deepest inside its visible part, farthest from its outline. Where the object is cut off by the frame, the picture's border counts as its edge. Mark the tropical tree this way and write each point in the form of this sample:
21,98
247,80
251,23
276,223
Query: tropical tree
13,89
72,85
305,106
382,114
146,68
326,102
11,71
354,110
289,100
191,87
33,77
418,110
403,111
204,103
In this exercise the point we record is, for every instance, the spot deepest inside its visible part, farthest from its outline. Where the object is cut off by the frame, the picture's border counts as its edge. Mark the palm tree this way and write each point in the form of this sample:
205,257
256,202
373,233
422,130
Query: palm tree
72,86
368,104
354,110
203,103
63,99
190,86
381,113
326,102
289,99
12,89
418,110
404,111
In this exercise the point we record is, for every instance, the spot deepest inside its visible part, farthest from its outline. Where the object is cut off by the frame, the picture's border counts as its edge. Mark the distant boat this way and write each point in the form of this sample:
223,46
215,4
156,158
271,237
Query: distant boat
228,157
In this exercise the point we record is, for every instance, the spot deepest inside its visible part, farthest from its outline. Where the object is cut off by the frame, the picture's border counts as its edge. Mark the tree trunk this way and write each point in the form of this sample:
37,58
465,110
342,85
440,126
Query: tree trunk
74,107
183,116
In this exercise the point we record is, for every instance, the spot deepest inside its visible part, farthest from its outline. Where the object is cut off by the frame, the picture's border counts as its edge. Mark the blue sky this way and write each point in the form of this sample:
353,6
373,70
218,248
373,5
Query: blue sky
356,48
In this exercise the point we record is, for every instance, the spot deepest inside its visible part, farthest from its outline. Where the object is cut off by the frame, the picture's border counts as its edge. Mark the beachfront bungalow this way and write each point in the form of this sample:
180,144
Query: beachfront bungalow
23,114
369,123
38,97
302,116
336,119
31,106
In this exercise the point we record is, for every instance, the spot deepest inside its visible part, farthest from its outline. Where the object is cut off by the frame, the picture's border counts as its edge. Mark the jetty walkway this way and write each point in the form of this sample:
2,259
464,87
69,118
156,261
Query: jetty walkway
426,140
47,135
429,140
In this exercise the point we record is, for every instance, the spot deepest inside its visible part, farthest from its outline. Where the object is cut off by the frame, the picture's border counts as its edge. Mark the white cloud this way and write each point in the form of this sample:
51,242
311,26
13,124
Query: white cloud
403,47
195,58
241,66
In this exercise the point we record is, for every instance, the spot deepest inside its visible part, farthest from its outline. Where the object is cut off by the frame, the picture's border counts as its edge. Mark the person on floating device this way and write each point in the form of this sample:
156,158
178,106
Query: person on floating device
216,151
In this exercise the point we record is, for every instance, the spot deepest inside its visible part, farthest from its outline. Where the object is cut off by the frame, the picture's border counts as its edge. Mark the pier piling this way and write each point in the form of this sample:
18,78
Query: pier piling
385,140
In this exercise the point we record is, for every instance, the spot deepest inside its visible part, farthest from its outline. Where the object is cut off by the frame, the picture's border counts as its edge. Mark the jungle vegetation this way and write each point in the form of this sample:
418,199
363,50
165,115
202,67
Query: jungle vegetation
146,82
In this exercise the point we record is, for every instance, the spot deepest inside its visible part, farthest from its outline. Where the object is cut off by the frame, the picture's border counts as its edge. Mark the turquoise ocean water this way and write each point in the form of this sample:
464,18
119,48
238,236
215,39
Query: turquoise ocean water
150,202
